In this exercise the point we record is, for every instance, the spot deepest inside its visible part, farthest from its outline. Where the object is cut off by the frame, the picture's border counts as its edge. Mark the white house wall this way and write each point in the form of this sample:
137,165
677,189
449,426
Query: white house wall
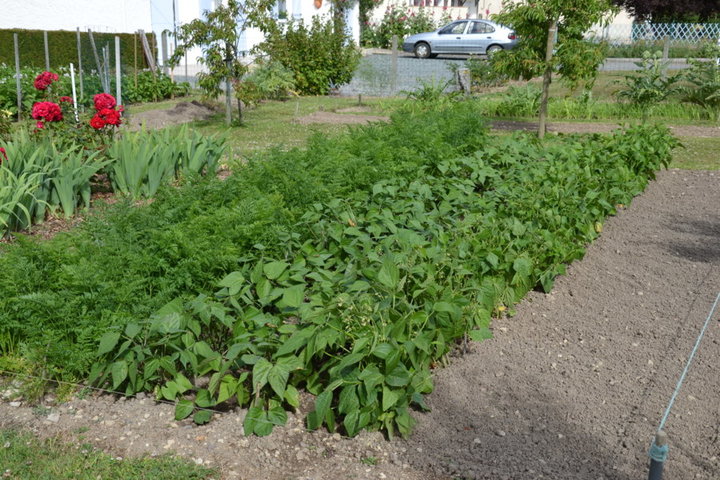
116,16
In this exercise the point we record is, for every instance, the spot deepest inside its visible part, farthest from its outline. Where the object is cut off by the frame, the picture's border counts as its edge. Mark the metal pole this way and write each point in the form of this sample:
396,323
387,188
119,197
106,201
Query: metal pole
47,52
658,455
17,76
118,72
74,93
80,72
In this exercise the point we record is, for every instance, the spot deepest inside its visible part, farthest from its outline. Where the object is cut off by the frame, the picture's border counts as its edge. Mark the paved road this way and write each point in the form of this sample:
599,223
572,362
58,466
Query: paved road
374,75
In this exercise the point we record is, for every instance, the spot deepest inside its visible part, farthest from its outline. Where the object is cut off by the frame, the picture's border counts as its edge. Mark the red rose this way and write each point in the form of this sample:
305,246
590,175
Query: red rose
4,155
66,99
97,123
45,79
39,125
48,111
104,100
111,116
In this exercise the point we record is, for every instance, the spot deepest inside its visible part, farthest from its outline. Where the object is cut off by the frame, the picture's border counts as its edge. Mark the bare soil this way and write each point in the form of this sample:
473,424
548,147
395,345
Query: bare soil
182,112
340,118
573,385
578,127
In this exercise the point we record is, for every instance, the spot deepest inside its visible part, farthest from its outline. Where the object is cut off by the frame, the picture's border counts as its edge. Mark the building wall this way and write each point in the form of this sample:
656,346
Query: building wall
469,9
117,16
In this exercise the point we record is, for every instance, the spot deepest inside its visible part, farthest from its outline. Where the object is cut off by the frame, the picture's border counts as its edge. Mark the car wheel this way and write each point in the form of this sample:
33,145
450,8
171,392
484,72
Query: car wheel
493,49
422,50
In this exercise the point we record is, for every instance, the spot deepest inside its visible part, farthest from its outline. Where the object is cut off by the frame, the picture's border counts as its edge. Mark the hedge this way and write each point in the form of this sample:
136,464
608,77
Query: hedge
62,46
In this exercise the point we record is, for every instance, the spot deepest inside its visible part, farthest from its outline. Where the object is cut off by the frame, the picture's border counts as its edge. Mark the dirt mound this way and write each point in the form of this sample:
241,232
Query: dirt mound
183,112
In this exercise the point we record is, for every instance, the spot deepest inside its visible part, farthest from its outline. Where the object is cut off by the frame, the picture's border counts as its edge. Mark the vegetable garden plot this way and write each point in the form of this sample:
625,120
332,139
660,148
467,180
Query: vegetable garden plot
367,293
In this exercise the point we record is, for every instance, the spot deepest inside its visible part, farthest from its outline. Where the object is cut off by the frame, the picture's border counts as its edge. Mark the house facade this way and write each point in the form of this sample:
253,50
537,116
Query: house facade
457,9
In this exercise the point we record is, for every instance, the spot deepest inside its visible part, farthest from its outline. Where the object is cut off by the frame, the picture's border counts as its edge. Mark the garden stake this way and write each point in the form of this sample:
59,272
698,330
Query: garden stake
74,92
659,449
658,455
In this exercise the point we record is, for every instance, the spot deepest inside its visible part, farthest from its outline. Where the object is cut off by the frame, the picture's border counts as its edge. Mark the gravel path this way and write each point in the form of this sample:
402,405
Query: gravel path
572,387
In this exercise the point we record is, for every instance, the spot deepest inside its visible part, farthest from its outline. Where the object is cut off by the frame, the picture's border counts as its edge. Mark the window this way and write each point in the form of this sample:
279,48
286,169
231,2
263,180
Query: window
481,27
454,28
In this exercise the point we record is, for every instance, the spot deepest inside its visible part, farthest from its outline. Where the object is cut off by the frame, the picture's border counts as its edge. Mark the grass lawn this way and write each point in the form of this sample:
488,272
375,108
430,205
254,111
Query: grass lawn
698,154
274,123
24,457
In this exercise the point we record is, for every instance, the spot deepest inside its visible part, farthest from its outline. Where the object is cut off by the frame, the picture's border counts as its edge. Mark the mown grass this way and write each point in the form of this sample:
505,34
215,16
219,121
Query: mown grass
697,153
24,457
275,124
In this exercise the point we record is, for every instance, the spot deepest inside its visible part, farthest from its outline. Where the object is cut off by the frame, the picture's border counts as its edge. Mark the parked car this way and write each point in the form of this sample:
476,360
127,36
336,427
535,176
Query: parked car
462,37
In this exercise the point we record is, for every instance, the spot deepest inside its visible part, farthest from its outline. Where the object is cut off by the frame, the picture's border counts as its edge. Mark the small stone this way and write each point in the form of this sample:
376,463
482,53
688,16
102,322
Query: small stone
198,461
500,433
14,404
477,441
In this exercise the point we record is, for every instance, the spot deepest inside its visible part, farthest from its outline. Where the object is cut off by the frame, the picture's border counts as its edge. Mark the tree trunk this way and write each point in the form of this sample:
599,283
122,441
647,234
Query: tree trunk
240,115
547,78
228,102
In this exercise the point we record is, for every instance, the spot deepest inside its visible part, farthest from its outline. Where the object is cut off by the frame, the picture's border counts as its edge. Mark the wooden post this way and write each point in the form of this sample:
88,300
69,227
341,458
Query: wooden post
97,62
148,51
547,78
47,51
106,68
118,71
18,86
394,64
135,55
80,70
666,54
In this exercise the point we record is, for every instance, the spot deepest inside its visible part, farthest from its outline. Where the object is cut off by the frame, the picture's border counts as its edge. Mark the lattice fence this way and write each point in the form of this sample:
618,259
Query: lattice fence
676,32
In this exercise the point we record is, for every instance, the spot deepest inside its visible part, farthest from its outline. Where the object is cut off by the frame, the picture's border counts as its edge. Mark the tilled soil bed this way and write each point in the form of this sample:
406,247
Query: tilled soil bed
571,387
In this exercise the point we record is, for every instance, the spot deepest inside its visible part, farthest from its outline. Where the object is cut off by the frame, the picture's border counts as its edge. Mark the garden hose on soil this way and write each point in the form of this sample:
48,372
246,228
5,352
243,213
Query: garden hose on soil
659,448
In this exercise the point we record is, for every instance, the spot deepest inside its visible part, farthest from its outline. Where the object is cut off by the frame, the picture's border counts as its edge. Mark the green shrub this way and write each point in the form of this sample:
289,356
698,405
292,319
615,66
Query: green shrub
273,80
521,101
397,21
149,87
320,55
703,78
63,48
650,85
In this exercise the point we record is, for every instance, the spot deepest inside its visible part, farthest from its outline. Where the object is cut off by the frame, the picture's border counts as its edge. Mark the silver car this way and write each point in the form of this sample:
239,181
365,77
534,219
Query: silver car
462,37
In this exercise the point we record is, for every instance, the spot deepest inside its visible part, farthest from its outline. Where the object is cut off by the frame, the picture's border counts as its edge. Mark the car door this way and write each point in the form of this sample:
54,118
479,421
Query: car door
451,38
479,36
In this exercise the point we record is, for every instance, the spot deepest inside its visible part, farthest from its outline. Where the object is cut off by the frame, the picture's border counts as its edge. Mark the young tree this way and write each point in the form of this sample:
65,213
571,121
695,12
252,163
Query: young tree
551,41
218,36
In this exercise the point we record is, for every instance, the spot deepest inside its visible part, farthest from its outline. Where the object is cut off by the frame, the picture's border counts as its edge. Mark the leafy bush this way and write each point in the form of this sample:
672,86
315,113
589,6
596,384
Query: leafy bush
273,80
704,84
398,21
321,56
650,85
152,87
62,47
521,101
358,311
